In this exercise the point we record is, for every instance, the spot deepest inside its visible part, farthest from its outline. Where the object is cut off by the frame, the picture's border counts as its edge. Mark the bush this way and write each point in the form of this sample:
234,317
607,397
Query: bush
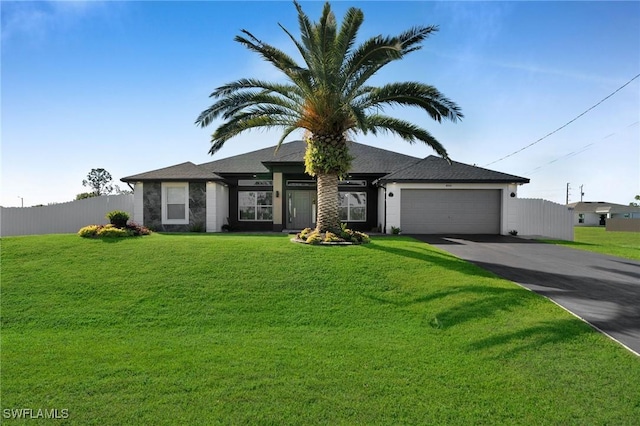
362,237
305,233
118,218
197,227
330,237
90,231
346,235
111,231
137,230
314,238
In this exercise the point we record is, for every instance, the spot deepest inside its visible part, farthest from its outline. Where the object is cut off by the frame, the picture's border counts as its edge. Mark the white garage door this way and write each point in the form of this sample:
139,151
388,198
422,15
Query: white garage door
450,211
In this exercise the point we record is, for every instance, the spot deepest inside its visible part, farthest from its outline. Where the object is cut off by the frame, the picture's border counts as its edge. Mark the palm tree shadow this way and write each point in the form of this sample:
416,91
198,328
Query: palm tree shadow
432,256
532,338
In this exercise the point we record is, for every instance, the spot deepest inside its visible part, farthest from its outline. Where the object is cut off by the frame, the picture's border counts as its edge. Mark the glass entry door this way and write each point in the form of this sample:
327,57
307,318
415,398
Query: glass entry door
301,209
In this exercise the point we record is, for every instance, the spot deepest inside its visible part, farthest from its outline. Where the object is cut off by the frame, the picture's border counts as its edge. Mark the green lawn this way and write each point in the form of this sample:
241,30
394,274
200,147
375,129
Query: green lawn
241,329
597,239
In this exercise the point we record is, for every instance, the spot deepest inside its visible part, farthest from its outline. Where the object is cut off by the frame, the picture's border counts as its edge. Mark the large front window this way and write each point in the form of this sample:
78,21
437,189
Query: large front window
255,205
353,206
175,203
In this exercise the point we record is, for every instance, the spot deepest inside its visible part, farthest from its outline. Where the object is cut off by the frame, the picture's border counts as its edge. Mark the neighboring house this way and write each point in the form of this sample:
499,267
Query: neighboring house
267,190
596,213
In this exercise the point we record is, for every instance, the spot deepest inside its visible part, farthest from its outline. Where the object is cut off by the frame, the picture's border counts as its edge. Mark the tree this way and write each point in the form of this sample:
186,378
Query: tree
84,195
635,203
328,96
99,180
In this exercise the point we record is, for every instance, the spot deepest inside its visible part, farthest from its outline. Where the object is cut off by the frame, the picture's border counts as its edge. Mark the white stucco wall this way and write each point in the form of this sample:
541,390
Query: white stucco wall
217,206
381,209
138,206
590,219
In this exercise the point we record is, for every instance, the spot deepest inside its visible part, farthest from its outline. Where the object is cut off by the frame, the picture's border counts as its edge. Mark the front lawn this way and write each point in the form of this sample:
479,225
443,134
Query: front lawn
207,329
597,239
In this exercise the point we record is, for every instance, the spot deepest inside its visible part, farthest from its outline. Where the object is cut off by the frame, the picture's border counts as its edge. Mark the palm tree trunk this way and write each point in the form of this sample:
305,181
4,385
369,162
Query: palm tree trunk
328,219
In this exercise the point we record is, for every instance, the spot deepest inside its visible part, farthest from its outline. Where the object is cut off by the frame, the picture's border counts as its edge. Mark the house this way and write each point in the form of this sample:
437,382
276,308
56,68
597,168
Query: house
267,190
596,213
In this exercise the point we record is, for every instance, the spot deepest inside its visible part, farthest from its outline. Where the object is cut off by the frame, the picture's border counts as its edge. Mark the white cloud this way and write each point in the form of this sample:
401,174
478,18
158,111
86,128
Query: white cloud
34,21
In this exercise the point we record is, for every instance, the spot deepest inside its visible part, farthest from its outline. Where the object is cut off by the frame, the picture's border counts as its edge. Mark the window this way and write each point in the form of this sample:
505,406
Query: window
175,203
255,182
302,183
255,205
353,206
352,183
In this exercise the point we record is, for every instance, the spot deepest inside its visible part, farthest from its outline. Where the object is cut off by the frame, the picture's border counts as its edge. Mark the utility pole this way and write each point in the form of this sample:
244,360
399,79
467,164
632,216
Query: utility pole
581,192
567,193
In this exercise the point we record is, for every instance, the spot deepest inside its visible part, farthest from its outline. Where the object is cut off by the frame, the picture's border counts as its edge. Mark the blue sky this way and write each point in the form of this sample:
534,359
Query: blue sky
118,85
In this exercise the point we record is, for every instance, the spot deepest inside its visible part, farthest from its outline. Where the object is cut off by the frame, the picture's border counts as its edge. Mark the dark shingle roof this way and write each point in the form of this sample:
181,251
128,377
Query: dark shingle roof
251,162
436,169
367,159
390,166
183,172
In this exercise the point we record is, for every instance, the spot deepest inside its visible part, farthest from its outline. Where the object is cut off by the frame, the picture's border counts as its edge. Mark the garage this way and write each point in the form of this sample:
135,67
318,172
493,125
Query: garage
450,211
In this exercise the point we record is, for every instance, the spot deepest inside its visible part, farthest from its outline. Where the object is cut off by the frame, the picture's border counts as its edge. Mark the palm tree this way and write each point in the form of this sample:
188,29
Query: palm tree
328,96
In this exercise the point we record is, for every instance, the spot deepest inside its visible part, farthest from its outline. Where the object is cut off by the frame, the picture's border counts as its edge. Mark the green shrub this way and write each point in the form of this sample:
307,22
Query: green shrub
111,231
197,227
118,218
330,237
362,237
305,233
89,231
137,230
314,238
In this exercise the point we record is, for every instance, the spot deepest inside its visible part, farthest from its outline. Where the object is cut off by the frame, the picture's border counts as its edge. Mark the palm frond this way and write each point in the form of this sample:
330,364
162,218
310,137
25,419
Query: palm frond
413,94
406,130
242,123
328,92
348,32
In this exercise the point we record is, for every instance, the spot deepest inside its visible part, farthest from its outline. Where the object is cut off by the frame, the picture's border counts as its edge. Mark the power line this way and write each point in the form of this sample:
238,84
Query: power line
566,124
578,151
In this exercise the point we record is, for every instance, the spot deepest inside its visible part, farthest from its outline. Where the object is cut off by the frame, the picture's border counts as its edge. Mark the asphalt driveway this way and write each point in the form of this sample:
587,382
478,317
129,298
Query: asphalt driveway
603,290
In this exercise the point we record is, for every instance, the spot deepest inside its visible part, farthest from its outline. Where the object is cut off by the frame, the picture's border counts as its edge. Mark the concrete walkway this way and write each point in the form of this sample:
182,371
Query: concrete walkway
603,290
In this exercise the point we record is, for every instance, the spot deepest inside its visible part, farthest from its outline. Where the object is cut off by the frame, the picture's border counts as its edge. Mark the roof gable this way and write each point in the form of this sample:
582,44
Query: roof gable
180,172
436,169
367,159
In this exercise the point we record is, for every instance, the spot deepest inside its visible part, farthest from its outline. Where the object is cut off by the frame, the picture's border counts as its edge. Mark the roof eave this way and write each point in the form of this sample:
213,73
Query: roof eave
505,181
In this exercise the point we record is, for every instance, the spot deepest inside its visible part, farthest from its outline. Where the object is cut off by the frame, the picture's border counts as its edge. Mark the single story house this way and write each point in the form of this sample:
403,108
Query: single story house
596,213
267,190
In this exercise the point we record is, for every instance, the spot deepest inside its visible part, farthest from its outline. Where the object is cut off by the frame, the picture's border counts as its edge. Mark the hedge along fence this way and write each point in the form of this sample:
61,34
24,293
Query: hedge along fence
64,218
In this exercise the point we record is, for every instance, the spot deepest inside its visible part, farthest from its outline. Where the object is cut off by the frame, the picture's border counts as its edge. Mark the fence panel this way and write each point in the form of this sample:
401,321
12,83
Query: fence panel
543,218
619,224
61,218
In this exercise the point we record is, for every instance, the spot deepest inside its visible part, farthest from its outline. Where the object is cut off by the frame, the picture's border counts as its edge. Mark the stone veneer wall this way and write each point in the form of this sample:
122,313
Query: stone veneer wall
152,202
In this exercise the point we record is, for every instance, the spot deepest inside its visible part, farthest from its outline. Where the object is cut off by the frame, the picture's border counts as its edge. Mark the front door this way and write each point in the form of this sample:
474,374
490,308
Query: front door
301,209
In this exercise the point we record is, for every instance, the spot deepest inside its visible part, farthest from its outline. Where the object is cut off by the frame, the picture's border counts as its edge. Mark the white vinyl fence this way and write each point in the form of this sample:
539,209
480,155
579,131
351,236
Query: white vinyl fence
61,218
543,218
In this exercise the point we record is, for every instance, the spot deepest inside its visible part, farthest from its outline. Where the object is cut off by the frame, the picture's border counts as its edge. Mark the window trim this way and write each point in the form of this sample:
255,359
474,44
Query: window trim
349,206
164,198
256,206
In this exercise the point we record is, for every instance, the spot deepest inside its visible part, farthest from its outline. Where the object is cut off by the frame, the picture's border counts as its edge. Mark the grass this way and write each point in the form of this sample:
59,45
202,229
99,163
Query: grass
227,329
597,239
